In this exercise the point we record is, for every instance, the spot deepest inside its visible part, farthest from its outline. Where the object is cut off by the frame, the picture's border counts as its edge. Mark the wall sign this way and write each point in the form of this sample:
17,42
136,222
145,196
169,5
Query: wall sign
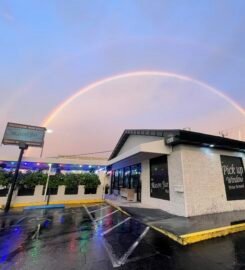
234,177
159,183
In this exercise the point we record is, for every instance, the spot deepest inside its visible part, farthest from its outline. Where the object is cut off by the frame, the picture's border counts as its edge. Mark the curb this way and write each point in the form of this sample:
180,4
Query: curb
195,237
16,205
117,207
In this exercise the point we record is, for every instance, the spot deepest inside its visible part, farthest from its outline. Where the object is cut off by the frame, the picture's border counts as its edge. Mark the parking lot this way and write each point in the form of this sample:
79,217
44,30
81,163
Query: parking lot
101,237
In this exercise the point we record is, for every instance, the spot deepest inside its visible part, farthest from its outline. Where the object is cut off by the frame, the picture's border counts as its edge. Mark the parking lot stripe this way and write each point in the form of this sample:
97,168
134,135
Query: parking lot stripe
100,209
106,215
94,205
90,216
118,224
124,258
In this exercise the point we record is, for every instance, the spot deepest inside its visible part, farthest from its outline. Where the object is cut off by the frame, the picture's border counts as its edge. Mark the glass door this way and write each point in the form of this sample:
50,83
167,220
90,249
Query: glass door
136,181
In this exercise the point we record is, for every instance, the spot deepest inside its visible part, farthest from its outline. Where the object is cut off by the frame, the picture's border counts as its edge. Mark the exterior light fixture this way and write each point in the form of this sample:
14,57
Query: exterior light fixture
49,131
211,145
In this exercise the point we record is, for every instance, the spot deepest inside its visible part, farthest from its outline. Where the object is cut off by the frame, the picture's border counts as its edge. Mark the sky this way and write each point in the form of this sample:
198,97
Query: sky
51,50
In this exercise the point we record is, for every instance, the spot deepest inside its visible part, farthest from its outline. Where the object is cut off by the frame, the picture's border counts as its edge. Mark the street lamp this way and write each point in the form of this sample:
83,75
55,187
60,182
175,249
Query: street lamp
48,131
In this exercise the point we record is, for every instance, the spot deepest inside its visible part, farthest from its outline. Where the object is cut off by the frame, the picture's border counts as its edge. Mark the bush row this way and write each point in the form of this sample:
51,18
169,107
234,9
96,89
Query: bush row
31,179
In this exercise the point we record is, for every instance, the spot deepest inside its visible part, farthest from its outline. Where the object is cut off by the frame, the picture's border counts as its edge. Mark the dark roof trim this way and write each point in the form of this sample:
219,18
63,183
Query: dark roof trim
177,136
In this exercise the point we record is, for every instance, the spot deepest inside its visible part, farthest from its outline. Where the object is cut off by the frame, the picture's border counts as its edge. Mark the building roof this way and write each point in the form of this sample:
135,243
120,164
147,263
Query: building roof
177,136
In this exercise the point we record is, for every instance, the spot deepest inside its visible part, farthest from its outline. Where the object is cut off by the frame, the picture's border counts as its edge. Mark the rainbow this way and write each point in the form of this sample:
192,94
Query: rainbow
92,86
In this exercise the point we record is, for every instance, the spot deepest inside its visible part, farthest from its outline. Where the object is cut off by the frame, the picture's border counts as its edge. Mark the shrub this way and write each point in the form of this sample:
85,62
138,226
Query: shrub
91,180
31,179
5,179
72,180
56,180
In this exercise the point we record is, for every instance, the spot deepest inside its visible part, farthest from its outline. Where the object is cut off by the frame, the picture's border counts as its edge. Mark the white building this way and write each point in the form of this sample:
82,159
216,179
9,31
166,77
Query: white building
182,172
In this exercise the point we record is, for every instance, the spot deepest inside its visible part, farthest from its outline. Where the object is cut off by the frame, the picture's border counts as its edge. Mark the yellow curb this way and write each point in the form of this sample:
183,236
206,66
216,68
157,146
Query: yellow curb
195,237
172,236
66,202
117,207
191,238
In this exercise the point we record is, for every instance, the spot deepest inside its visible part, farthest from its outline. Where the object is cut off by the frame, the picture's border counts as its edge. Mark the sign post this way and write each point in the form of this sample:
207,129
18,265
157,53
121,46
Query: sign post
23,136
22,147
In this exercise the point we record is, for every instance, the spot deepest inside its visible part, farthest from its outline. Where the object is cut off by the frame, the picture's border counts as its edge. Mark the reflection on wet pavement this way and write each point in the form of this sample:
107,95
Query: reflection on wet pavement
98,237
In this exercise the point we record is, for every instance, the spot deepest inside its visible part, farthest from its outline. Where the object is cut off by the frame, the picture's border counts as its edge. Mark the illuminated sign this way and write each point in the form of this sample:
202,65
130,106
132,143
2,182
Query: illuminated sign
16,134
234,177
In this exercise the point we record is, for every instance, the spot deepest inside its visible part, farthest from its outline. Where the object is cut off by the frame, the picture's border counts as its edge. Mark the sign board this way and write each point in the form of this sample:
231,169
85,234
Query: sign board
234,177
159,182
15,134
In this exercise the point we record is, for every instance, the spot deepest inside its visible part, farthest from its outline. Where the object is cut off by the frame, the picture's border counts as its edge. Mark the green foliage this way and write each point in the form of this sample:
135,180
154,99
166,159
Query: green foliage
56,180
71,180
5,178
31,179
91,180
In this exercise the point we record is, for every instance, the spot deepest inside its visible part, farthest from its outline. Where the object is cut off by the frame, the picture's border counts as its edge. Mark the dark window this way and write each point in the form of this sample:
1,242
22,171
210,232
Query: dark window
26,191
90,190
159,182
71,191
135,176
127,177
121,174
3,192
51,191
116,180
112,180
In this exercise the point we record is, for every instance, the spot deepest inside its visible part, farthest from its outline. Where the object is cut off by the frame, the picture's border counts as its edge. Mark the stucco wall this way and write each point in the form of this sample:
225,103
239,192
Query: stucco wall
135,140
60,197
176,204
204,182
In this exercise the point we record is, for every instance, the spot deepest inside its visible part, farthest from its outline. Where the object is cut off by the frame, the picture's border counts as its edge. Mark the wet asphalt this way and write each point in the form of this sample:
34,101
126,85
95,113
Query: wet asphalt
102,238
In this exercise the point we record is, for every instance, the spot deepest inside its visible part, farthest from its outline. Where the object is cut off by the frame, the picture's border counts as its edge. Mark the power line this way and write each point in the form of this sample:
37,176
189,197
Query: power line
85,154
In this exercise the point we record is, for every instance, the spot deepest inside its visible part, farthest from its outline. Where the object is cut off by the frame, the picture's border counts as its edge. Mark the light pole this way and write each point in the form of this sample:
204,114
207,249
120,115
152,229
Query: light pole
47,182
49,131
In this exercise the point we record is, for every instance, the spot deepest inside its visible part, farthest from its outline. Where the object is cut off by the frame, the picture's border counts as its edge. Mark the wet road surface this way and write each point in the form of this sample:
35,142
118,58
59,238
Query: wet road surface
100,237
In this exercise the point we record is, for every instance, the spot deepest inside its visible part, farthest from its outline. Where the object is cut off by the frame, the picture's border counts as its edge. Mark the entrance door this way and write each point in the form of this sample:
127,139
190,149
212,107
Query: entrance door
136,181
139,190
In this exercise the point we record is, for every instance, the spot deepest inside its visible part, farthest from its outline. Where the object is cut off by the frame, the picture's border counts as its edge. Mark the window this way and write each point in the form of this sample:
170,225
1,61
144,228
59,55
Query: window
26,191
159,182
121,178
4,192
127,177
71,191
51,191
